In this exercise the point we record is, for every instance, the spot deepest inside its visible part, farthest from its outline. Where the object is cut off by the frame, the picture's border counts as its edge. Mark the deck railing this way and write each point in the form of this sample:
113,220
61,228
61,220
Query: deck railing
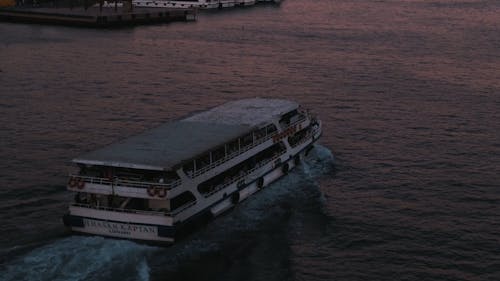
307,136
135,211
127,183
240,177
175,183
242,150
121,210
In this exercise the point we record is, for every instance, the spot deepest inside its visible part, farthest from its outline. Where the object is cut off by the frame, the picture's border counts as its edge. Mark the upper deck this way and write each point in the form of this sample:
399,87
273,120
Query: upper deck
169,145
250,112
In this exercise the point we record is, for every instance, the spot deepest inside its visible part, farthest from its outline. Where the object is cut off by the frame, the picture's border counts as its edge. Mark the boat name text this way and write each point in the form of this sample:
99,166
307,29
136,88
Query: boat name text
120,228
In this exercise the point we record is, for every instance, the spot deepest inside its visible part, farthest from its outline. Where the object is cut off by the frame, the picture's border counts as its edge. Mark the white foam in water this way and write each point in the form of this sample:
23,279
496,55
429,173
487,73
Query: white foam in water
81,258
318,161
143,270
297,183
246,216
255,209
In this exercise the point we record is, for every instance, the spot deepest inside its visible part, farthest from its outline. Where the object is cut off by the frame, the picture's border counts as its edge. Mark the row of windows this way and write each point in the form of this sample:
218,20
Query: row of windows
132,204
181,200
241,169
299,136
128,174
227,150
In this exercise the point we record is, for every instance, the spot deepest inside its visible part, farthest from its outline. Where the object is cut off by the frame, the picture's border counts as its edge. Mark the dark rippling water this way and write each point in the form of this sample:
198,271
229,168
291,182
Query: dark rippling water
409,93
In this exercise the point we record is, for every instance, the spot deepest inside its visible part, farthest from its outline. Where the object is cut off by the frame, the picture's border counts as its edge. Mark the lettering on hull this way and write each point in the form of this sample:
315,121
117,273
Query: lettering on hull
120,229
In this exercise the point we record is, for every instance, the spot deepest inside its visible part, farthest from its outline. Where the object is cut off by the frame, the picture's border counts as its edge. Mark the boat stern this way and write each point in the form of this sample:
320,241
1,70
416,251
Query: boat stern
124,226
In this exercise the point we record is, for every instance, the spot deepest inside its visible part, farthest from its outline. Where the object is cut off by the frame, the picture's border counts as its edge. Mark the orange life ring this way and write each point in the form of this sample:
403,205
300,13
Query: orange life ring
162,192
151,191
80,184
72,182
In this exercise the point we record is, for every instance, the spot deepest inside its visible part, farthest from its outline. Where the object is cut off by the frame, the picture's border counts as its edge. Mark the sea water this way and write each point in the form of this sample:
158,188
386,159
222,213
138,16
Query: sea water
404,184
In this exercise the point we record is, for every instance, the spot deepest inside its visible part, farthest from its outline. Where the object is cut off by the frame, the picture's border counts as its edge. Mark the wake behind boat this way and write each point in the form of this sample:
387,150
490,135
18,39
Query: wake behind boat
153,186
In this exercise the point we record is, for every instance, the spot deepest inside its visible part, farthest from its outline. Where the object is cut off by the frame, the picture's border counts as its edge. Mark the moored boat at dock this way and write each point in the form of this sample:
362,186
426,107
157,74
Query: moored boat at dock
154,185
201,4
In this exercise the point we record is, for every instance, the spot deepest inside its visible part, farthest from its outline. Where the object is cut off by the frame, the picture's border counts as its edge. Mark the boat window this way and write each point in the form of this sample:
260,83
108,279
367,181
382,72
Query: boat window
246,140
82,198
181,200
218,154
203,161
271,129
285,119
260,133
227,150
118,201
168,176
232,147
90,171
137,204
189,168
237,172
296,117
128,174
299,136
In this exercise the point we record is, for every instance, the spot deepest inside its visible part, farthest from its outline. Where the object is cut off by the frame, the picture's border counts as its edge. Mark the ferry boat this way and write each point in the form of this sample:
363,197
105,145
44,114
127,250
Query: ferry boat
201,4
154,186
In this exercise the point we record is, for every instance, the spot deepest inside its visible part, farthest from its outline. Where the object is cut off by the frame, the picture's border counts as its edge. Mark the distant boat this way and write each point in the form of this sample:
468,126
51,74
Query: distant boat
201,4
152,186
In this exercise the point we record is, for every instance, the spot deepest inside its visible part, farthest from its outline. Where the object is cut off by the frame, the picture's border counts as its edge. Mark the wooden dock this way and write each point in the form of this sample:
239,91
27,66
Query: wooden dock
95,16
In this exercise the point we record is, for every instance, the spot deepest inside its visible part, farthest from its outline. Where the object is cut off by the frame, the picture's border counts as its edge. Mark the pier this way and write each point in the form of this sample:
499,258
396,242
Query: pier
96,17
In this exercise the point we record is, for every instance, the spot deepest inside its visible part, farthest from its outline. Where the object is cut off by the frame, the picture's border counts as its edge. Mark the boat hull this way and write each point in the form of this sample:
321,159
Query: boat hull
117,229
162,229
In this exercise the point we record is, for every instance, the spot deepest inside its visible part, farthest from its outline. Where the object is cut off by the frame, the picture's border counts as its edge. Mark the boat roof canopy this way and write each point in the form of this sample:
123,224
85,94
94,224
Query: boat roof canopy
250,112
171,144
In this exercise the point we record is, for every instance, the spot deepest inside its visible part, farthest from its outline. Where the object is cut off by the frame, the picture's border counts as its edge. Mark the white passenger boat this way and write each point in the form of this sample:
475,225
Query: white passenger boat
155,185
201,4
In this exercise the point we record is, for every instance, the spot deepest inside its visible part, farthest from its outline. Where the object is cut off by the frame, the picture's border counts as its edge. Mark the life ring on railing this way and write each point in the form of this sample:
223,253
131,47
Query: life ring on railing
80,184
72,182
260,183
162,192
285,168
151,191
